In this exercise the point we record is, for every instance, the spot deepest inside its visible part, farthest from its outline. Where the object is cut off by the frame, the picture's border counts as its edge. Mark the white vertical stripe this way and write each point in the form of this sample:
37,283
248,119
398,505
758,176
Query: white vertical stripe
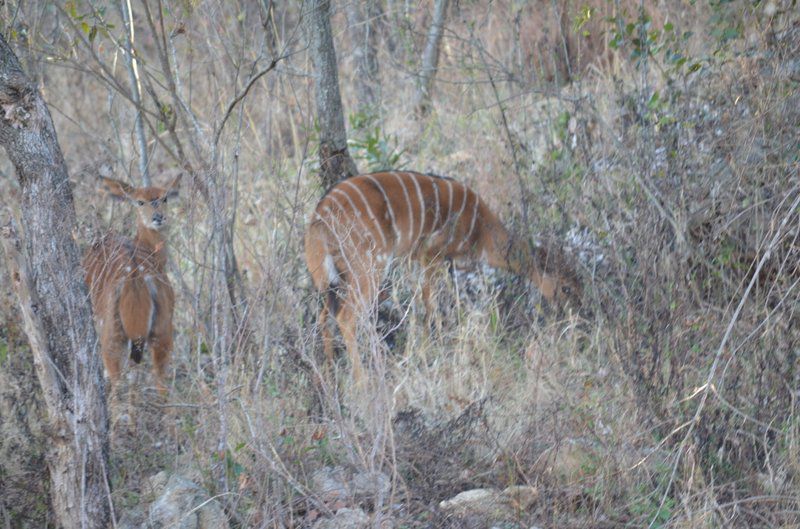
436,199
333,224
369,211
356,210
471,224
457,219
449,200
414,178
349,200
336,226
410,211
388,206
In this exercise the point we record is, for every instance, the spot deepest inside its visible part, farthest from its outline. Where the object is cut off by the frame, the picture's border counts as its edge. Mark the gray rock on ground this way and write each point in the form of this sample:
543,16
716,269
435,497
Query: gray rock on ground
179,504
344,519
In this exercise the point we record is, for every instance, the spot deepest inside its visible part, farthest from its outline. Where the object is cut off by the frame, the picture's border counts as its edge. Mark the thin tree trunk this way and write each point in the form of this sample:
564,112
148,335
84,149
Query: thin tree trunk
362,21
335,161
136,91
430,59
57,316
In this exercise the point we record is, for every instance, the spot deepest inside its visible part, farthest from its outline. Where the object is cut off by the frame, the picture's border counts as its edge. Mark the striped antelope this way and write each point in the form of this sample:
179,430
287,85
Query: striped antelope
365,222
131,295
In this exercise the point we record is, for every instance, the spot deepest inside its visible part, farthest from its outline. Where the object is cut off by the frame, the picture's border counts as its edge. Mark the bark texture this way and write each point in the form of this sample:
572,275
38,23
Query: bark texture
335,161
430,58
57,316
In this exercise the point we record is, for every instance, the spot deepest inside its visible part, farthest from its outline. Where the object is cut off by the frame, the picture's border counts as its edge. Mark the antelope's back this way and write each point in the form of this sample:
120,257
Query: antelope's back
398,212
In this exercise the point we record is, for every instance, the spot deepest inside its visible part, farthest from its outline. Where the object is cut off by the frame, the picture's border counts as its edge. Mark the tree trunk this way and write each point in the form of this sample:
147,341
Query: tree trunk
136,92
335,161
362,21
430,59
57,316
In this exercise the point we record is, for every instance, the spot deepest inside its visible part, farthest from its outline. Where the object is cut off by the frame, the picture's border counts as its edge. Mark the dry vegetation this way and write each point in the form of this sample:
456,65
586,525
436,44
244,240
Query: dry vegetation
669,165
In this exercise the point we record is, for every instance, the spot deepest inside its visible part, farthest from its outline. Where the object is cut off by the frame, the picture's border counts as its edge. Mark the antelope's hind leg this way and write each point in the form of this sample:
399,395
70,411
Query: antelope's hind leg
358,307
434,274
161,347
324,328
161,342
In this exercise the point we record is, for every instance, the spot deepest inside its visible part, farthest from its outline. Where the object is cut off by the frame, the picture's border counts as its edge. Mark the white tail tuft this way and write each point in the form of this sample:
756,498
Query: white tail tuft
330,270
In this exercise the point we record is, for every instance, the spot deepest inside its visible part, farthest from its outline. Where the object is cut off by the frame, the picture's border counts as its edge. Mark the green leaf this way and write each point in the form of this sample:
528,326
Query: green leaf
668,27
654,99
729,34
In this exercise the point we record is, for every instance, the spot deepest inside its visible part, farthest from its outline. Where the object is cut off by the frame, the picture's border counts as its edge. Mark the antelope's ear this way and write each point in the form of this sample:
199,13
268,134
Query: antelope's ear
173,189
115,188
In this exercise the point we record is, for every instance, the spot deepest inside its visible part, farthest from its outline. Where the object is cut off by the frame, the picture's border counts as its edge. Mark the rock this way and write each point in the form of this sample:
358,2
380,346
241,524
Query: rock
472,501
335,484
492,505
344,519
179,504
329,483
371,485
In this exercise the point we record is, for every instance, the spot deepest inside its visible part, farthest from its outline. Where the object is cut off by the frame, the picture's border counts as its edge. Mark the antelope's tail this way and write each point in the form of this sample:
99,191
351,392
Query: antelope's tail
326,276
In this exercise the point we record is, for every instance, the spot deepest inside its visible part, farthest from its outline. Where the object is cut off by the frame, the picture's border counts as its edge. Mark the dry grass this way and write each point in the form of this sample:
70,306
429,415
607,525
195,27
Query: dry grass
680,209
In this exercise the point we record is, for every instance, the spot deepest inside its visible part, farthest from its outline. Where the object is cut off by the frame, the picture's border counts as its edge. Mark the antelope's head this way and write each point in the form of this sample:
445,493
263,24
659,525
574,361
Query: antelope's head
559,281
565,288
149,202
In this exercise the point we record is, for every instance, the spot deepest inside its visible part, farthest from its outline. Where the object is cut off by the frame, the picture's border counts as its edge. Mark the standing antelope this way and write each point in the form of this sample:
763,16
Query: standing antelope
364,222
131,295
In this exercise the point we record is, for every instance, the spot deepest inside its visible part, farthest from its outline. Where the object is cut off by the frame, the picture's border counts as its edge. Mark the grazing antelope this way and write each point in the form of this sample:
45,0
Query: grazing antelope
365,222
131,295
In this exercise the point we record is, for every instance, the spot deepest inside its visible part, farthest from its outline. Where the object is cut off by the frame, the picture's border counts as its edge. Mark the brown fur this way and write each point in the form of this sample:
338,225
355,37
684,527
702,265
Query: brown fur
368,219
132,298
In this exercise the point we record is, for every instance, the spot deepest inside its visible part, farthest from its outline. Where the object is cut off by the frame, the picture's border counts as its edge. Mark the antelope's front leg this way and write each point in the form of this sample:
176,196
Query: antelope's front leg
358,307
113,347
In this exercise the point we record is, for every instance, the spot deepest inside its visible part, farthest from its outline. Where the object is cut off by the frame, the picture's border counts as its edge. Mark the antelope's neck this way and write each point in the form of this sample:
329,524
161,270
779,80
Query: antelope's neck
152,243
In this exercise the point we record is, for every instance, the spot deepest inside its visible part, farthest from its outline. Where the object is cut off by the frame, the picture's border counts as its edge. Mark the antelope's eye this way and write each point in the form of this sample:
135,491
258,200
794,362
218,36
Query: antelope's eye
140,202
164,200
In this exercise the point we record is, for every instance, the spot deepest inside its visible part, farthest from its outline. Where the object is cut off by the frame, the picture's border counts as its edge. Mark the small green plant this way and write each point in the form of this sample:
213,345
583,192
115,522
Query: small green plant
372,145
322,448
648,506
644,40
3,352
233,469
